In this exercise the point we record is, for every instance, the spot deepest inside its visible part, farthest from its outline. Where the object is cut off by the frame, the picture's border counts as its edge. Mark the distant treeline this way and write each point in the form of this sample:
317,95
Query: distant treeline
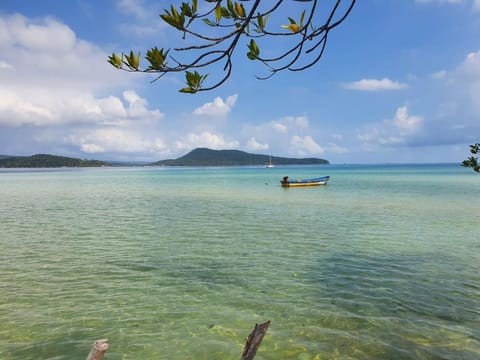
47,161
208,157
196,157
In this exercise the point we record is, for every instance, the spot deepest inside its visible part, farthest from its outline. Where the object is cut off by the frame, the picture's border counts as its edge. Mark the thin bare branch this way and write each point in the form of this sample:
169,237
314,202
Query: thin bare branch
235,23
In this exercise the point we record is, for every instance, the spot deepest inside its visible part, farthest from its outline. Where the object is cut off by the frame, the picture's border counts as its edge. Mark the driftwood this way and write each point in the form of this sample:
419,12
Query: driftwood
99,348
254,340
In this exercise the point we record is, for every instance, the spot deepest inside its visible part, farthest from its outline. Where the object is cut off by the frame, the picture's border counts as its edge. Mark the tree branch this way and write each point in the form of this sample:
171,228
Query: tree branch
254,340
99,348
248,24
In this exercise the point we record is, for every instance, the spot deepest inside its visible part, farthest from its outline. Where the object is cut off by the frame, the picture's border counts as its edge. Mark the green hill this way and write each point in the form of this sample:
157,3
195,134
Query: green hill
47,161
208,157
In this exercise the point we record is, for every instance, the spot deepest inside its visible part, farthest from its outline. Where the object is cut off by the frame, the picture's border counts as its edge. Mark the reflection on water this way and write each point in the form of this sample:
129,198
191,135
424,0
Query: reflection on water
383,263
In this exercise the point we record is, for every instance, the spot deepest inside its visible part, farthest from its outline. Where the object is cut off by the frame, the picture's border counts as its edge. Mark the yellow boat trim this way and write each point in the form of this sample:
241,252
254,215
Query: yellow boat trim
303,184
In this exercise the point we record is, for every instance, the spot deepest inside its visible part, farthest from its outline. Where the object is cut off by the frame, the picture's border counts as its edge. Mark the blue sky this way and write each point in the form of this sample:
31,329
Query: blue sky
399,82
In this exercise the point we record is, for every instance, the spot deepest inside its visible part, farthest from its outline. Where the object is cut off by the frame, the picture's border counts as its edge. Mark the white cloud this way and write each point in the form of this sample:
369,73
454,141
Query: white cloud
406,123
253,144
5,66
306,146
71,69
56,107
290,123
300,122
36,35
279,127
146,21
471,65
205,139
217,107
465,81
54,82
276,135
454,118
92,148
375,85
66,61
112,106
336,149
442,74
138,107
115,140
49,81
399,130
133,7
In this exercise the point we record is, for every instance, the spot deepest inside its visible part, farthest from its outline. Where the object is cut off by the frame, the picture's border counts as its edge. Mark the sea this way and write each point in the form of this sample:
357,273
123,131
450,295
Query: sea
383,262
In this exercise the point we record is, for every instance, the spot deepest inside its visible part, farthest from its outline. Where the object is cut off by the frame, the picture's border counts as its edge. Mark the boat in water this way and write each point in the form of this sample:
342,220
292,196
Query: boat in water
286,182
269,164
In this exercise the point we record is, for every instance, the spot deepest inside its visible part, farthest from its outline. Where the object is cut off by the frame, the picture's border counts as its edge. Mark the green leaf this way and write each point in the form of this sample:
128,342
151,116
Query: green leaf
156,58
472,162
115,60
226,14
294,28
254,50
174,18
174,12
133,61
302,18
209,22
474,149
186,10
218,13
261,24
194,81
168,19
230,6
188,90
190,77
239,9
254,46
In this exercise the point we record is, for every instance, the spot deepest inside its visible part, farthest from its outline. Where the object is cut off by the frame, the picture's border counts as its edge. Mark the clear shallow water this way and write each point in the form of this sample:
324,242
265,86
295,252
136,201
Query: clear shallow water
383,263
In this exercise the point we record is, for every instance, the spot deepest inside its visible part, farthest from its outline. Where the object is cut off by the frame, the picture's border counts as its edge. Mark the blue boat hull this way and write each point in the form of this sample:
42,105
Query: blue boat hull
285,182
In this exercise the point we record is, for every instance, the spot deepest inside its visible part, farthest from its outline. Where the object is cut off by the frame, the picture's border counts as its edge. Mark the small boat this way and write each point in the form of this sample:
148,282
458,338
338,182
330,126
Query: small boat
286,182
269,164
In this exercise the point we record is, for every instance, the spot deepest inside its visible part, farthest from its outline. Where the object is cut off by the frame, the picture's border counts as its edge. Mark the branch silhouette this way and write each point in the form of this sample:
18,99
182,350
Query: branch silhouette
302,39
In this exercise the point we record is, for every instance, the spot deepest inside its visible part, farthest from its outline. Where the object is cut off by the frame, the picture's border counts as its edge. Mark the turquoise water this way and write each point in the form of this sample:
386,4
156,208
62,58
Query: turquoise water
382,263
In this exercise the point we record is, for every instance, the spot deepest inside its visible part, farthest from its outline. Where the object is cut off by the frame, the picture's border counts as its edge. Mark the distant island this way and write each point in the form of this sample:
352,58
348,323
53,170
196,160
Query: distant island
209,157
47,161
196,157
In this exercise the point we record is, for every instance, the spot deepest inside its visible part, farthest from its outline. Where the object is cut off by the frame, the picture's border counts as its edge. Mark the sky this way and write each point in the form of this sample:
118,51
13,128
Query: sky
399,82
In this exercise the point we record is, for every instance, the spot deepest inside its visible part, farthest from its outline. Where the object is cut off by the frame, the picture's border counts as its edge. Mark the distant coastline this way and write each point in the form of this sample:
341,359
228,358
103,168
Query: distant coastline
196,157
209,157
47,161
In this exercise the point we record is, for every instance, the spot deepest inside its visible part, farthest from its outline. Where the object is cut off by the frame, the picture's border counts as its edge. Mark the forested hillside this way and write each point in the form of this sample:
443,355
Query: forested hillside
208,157
47,161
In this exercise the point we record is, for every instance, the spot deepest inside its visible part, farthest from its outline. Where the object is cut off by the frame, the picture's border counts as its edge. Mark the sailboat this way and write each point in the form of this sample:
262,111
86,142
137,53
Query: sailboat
269,164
